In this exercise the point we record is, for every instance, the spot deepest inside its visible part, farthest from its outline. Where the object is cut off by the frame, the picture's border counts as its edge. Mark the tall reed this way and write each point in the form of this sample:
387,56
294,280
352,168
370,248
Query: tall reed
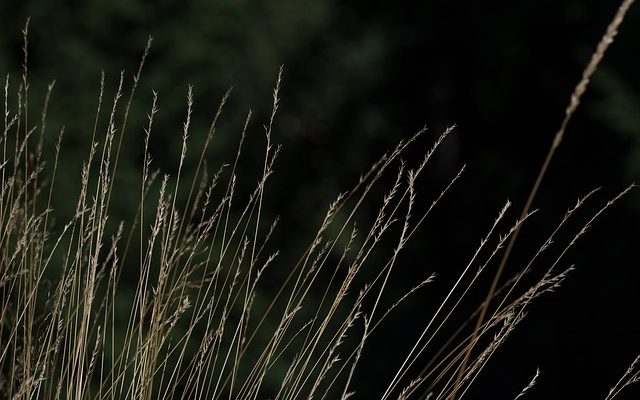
200,321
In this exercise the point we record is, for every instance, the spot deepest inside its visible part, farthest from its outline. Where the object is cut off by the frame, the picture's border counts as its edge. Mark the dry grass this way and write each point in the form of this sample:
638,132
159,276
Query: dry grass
193,329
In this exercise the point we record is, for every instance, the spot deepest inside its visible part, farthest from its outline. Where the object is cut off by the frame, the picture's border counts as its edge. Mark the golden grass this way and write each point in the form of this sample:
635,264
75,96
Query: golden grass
192,328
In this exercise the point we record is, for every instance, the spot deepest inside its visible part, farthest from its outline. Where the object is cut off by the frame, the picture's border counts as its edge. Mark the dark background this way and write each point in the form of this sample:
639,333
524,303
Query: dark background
359,76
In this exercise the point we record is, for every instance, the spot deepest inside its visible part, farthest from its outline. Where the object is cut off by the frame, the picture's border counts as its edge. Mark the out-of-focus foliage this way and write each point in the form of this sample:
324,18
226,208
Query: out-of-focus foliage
619,108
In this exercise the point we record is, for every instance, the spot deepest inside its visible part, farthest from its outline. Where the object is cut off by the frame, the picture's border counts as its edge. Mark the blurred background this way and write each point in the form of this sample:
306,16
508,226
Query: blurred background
358,77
